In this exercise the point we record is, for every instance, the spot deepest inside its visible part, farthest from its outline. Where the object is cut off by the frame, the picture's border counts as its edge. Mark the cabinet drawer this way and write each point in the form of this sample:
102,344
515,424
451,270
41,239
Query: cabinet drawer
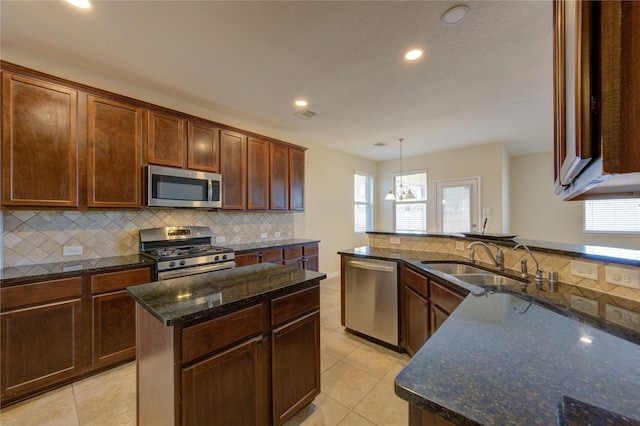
209,336
42,292
272,256
113,281
444,297
292,305
416,281
310,250
292,252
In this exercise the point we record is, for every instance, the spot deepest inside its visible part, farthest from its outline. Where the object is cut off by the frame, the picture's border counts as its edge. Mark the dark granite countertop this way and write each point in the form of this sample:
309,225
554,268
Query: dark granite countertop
600,253
489,364
16,275
185,299
244,248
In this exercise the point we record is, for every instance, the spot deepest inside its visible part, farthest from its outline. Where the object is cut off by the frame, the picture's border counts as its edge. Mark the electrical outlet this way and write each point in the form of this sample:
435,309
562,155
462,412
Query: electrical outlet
394,240
623,317
460,245
263,235
220,240
621,276
277,234
583,304
584,269
72,251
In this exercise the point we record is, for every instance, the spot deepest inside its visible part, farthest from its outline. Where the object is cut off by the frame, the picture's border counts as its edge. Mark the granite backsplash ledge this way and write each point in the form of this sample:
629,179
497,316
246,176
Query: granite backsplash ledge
548,261
31,237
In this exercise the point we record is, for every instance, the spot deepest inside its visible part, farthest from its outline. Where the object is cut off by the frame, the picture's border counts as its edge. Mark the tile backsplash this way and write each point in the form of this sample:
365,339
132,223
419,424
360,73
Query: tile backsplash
548,262
31,237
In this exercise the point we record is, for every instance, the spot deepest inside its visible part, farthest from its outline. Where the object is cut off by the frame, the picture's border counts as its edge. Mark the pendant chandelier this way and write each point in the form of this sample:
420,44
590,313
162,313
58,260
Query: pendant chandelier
402,192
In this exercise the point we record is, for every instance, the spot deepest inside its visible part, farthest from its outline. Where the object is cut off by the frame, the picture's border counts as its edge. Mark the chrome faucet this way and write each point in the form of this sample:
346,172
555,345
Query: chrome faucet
523,265
498,259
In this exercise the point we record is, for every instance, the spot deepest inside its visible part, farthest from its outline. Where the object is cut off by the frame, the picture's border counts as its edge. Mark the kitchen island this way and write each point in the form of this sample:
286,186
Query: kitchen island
239,346
514,356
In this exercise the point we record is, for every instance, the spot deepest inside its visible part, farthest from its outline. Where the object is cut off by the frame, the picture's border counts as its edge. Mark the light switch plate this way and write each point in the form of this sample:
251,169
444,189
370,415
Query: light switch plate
394,240
622,276
72,251
263,235
583,304
623,317
220,240
584,269
277,234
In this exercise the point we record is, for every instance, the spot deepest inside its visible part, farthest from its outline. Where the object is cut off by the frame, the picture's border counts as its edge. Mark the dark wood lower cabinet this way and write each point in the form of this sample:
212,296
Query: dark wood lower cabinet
57,331
420,417
228,388
300,257
416,318
295,347
41,346
114,331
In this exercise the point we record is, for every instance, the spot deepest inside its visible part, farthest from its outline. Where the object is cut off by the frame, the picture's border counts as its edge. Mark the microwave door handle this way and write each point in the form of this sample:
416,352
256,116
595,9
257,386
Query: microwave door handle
210,190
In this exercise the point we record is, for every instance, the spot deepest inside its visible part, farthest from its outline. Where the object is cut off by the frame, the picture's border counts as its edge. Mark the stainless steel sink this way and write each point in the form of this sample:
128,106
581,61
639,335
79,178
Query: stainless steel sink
455,268
487,278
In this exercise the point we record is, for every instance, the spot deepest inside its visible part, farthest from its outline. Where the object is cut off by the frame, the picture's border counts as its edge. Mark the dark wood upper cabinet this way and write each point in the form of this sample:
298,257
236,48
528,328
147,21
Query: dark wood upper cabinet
257,174
596,99
233,167
203,148
296,179
39,143
165,139
279,177
114,165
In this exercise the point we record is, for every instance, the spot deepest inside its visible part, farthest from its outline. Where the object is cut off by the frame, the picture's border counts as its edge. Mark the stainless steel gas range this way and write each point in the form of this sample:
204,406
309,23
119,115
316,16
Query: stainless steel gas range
184,250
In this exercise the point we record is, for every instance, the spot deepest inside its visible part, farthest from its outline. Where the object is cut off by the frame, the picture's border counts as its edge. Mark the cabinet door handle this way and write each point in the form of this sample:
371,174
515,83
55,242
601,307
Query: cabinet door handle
259,342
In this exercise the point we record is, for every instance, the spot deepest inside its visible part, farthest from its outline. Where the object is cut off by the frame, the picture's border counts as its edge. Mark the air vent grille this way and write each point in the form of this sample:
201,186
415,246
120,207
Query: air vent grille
380,144
305,115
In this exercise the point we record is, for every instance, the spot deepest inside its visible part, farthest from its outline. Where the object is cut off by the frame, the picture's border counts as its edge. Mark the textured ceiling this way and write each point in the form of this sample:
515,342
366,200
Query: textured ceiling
488,79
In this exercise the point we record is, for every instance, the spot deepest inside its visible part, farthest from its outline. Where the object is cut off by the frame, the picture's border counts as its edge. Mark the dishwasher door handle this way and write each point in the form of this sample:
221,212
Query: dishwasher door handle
370,266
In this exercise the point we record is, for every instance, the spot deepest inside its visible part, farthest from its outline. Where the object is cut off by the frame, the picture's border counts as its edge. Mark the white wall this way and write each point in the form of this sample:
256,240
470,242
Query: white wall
328,212
482,160
537,213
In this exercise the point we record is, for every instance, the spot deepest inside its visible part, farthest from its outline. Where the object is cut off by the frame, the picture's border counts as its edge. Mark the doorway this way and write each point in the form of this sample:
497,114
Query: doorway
458,205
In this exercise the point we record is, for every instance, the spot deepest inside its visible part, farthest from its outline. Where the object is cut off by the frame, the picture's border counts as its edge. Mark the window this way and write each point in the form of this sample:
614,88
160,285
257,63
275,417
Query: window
411,202
363,202
612,216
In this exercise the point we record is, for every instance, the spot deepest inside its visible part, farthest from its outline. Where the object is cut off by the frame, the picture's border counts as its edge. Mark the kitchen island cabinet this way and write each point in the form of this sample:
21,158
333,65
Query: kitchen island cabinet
234,346
296,253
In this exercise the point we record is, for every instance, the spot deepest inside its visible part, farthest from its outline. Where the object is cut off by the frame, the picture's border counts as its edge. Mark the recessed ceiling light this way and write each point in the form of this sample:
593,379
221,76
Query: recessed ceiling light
414,54
83,4
301,102
454,16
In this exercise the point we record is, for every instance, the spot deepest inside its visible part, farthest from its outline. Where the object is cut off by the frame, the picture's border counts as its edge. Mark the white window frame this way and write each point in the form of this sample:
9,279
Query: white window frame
395,185
585,209
369,204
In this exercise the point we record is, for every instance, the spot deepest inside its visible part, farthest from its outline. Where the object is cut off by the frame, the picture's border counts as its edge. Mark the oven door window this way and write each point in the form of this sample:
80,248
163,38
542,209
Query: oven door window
179,188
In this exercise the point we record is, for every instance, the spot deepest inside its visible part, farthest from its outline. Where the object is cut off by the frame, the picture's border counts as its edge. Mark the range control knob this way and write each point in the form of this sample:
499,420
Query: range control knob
224,257
217,258
183,262
172,264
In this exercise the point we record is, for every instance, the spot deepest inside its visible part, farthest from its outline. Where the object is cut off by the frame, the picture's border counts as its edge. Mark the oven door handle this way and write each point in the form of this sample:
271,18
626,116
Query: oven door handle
195,270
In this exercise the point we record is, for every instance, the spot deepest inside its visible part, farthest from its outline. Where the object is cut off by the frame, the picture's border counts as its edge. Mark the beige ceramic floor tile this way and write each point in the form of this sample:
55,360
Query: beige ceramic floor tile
354,419
330,319
395,369
382,407
326,361
372,360
347,384
111,400
337,346
323,411
55,408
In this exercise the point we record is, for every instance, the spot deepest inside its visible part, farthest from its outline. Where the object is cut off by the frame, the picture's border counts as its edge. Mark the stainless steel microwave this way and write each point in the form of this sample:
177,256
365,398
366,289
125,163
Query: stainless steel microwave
171,187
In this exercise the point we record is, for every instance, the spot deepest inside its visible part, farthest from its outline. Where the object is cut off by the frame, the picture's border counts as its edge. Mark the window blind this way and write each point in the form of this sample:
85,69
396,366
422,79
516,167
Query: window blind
616,215
363,202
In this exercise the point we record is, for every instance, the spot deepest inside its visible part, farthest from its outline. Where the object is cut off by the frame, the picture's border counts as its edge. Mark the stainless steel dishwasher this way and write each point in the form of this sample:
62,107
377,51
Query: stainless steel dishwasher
371,298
